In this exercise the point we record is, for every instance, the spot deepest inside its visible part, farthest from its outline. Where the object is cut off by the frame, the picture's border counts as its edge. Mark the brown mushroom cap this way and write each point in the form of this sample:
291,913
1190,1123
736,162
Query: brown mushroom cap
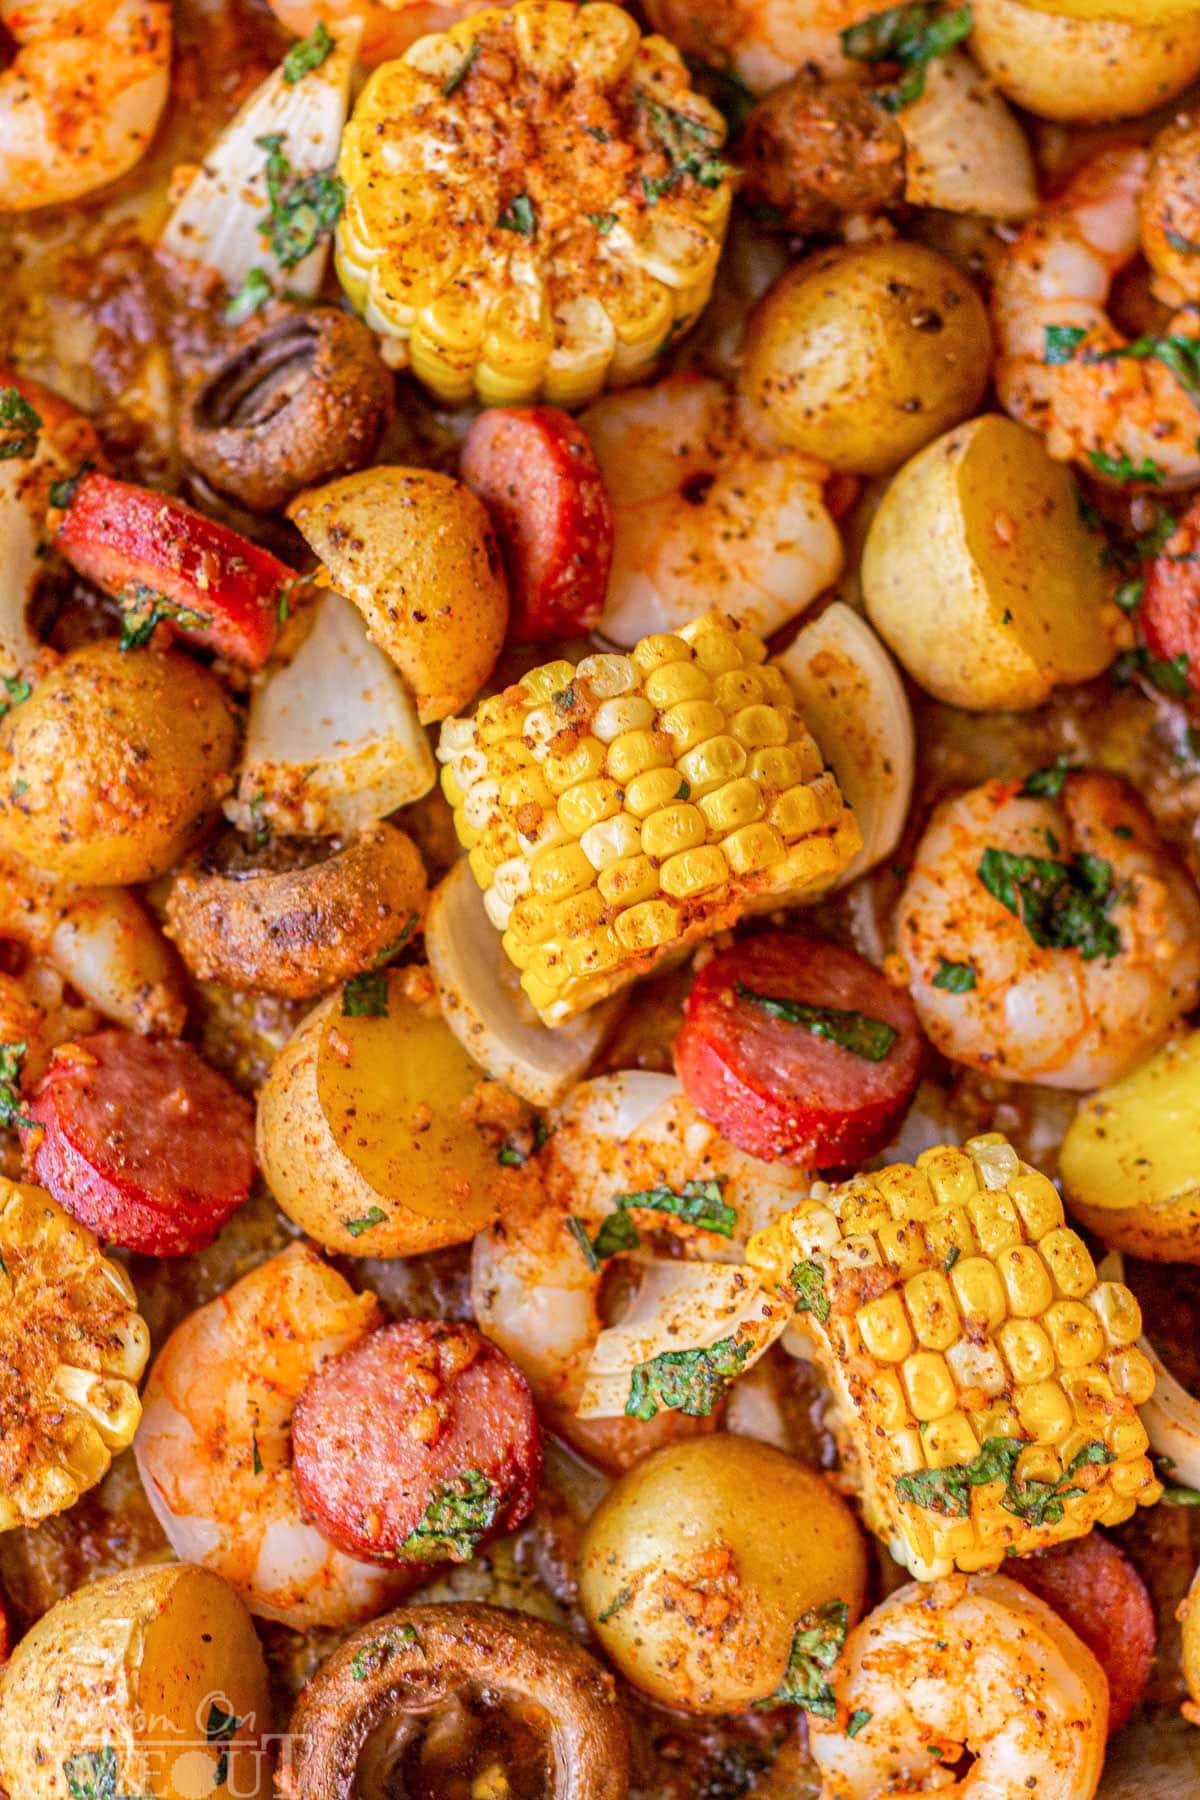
411,1660
298,931
303,394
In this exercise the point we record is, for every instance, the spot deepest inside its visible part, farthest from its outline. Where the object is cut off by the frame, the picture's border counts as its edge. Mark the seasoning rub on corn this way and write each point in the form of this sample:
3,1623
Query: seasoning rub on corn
986,1382
535,203
618,810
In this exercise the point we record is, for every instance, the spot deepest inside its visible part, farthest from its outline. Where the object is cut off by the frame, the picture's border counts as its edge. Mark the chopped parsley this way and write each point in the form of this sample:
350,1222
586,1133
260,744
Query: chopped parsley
17,690
365,996
369,1220
92,1775
686,1381
816,1646
253,294
1123,468
515,1156
19,423
63,492
1185,245
462,1511
1063,906
372,1657
683,791
564,700
1037,1503
1169,677
911,36
1062,341
617,1234
1048,783
453,82
688,145
11,1058
954,977
952,1256
1181,355
620,1599
578,1231
303,208
853,1031
808,1285
519,216
144,609
695,1203
730,95
220,1729
858,1718
256,1461
1129,594
603,222
307,55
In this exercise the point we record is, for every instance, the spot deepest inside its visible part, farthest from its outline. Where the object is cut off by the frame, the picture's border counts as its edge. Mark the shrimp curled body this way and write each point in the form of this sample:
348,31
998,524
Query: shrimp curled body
389,26
81,99
971,1664
1063,367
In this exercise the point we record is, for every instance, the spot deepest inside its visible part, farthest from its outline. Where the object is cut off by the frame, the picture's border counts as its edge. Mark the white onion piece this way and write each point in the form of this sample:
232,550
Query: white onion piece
966,152
333,742
1171,1415
23,481
621,1104
217,222
680,1306
484,1007
853,701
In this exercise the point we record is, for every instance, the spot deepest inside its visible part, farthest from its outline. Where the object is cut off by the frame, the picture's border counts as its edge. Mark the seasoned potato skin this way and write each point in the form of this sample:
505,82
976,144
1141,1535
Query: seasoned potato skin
980,575
1084,71
814,151
297,932
415,552
110,768
859,356
762,1537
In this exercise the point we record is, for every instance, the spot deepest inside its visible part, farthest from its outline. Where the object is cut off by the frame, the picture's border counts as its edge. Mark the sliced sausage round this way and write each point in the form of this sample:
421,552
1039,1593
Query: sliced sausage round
1101,1596
418,1444
141,1141
537,474
798,1051
1170,606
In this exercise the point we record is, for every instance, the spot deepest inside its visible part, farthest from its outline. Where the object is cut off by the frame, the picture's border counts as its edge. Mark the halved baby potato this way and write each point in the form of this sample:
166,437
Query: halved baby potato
1130,1161
980,574
1145,12
1087,67
151,1681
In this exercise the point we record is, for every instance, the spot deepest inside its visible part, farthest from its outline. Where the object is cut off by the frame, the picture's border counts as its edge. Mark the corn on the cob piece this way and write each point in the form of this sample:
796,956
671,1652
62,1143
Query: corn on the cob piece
535,203
72,1350
986,1383
618,810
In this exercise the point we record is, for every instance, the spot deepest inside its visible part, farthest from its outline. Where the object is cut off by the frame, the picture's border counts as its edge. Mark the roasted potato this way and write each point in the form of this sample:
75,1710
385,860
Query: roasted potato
147,1682
415,552
981,575
113,763
371,1131
703,1562
860,355
1147,12
1092,66
1130,1161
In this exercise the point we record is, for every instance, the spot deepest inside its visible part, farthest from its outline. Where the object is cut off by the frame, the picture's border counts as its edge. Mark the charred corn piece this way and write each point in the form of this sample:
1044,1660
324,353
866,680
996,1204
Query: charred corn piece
617,810
72,1350
986,1383
535,203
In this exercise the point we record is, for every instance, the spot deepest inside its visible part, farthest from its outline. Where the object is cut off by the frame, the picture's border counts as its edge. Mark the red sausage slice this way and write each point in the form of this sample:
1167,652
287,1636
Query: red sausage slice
779,1089
141,1141
1103,1599
1170,609
537,474
151,552
418,1444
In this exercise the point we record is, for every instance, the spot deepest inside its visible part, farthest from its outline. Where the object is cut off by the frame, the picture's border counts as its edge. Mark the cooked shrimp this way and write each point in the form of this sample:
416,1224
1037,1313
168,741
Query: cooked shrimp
763,42
214,1447
532,1288
81,99
389,26
1082,969
1062,366
1169,211
971,1665
704,516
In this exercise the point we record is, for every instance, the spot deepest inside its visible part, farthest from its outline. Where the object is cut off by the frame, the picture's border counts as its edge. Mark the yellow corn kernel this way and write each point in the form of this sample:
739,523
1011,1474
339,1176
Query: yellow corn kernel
561,872
1075,1333
1036,1199
672,683
1132,1477
929,1385
646,793
861,1208
1127,1437
1092,1396
543,683
1044,1411
736,804
887,1400
1117,1311
610,840
673,828
979,1370
795,813
583,762
760,727
949,1440
499,717
626,712
1069,1261
716,761
1132,1375
950,1174
949,1236
650,653
588,804
691,722
1026,1283
649,926
595,954
903,1246
995,1220
1041,1463
483,866
752,848
634,752
526,788
629,881
608,676
979,1290
694,872
1027,1350
714,646
931,1308
906,1191
738,688
578,916
780,768
884,1328
777,689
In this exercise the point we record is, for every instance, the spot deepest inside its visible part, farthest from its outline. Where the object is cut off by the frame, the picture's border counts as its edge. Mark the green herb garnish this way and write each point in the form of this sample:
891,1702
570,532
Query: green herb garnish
369,1220
695,1203
92,1775
367,1661
144,609
686,1381
256,1461
303,208
11,1058
462,1511
307,55
689,146
253,294
17,690
954,977
603,222
911,36
948,1491
578,1231
1048,783
620,1599
858,1718
519,216
808,1285
816,1646
1063,906
220,1729
1123,469
63,492
1173,677
853,1031
1185,245
22,421
617,1235
455,81
1062,341
365,996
